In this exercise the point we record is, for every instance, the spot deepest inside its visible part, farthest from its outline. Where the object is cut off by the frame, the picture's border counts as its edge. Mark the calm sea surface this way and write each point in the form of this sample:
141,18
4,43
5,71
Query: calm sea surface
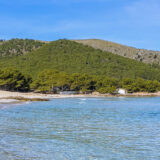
81,129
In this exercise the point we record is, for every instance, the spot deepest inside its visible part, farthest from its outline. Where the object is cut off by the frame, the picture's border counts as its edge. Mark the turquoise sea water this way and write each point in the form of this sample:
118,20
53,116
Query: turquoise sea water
81,129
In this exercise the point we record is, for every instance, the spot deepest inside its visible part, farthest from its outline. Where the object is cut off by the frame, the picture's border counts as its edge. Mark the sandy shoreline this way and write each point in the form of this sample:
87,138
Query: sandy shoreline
6,96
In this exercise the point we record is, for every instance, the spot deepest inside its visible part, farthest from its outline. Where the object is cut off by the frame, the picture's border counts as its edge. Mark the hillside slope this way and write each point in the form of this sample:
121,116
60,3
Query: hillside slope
146,56
72,57
18,46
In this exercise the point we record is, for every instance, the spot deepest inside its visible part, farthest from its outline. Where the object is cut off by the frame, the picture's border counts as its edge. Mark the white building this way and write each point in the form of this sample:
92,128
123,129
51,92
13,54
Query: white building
121,91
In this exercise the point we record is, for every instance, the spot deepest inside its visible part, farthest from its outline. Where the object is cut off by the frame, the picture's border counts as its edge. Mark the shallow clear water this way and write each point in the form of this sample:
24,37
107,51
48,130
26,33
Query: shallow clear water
81,129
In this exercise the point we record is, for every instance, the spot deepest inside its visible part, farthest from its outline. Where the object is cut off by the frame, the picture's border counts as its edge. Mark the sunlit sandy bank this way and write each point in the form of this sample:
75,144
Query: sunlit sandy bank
6,96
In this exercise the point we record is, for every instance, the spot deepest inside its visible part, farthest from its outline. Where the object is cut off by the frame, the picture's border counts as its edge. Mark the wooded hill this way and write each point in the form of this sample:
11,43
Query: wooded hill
67,65
143,55
18,47
72,57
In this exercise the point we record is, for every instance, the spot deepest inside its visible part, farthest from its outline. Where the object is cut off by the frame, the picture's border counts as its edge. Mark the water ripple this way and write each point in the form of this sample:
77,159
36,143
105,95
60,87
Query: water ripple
81,129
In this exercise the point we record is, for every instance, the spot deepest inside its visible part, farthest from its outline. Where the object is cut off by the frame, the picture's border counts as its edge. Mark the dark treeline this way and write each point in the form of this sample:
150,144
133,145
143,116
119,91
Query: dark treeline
13,80
53,81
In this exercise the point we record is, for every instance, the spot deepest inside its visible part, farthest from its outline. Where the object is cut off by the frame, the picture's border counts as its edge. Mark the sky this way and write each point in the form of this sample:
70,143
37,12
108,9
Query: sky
130,22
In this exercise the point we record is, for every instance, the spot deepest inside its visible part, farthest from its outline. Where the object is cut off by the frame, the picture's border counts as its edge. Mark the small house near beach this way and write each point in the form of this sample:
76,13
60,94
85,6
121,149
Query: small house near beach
121,91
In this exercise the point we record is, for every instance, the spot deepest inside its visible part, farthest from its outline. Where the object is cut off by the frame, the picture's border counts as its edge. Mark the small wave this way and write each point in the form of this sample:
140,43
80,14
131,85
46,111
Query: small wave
28,102
83,99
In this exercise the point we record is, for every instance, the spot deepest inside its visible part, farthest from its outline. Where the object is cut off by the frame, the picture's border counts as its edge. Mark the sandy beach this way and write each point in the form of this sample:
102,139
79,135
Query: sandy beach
6,96
32,95
9,97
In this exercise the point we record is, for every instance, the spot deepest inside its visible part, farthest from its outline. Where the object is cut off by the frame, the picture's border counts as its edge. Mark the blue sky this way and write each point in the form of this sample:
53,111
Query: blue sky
130,22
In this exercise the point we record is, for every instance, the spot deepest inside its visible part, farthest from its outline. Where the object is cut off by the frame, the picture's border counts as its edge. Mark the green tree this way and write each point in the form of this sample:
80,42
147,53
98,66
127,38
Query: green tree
11,79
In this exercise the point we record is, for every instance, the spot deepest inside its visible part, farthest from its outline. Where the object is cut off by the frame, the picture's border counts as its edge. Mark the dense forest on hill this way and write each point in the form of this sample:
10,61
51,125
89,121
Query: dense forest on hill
72,57
18,47
65,65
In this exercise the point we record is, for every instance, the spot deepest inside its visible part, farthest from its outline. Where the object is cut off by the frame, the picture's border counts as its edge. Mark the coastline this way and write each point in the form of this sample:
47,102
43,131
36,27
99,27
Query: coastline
7,96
